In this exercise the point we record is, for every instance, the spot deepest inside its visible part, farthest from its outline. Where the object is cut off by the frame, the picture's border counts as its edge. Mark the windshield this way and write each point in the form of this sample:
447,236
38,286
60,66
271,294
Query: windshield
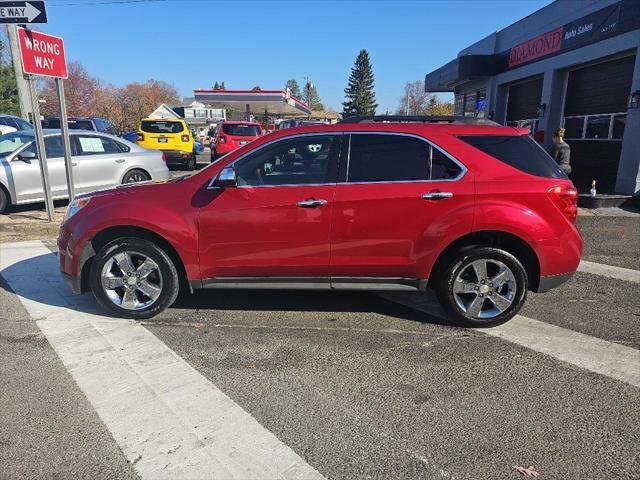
157,126
241,130
13,141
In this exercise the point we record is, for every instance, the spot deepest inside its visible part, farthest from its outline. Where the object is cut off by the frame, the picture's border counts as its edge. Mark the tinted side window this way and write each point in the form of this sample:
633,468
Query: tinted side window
295,161
53,147
521,152
88,145
442,167
387,158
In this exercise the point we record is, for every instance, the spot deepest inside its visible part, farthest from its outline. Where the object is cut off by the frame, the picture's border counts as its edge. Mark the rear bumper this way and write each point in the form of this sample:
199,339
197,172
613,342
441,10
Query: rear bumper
552,281
176,157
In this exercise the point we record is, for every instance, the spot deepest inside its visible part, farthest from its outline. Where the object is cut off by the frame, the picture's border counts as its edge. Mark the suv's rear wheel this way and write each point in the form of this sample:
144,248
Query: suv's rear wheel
191,162
482,287
133,278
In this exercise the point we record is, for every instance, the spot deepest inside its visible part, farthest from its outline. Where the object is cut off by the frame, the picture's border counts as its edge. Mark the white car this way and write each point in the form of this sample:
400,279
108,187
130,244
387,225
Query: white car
98,160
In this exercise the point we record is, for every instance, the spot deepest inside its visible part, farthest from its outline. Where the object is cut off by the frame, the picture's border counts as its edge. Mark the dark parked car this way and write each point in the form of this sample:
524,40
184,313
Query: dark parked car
11,123
94,124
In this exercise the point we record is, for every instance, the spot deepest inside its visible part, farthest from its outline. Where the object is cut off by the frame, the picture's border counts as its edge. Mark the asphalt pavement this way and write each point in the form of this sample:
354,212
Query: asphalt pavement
357,385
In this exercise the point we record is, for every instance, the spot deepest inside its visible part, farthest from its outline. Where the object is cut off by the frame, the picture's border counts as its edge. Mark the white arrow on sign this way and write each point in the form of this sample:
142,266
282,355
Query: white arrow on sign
28,11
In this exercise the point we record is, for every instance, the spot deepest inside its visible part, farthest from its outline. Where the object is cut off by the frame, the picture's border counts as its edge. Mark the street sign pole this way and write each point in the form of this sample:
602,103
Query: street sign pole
42,155
64,126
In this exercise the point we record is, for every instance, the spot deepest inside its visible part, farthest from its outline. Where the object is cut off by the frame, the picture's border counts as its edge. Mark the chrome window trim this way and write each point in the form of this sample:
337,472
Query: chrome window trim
212,185
462,173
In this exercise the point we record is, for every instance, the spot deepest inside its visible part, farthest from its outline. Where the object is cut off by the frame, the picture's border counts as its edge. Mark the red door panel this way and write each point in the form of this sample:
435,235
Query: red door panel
262,232
389,230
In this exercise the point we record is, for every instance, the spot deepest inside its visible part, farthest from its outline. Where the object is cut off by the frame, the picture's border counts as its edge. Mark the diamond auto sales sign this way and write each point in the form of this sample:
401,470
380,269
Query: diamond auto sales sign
42,54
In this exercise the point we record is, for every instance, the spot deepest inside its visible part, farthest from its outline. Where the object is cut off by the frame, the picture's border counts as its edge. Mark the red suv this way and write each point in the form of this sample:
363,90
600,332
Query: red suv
480,213
232,135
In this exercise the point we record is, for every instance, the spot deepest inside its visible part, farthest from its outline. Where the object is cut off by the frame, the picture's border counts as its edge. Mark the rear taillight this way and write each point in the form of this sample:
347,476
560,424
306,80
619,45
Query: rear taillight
222,139
164,157
185,138
565,197
140,137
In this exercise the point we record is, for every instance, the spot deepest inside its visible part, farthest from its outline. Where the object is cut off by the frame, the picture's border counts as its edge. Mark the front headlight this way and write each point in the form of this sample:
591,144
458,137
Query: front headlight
75,206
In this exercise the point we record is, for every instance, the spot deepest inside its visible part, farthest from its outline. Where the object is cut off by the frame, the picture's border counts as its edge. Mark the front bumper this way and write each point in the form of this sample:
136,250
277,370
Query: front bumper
73,281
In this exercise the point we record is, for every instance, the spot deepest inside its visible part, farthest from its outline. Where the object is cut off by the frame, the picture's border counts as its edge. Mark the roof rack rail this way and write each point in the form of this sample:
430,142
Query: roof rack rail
418,119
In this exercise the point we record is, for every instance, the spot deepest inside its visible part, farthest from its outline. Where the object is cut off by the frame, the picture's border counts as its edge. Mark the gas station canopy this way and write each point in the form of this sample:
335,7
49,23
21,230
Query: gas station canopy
257,102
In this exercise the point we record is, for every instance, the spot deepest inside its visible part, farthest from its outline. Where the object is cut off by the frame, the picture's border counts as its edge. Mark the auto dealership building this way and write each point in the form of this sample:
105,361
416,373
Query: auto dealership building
573,63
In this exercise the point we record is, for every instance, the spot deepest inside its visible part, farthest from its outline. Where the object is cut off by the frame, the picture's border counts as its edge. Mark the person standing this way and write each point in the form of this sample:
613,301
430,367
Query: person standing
561,152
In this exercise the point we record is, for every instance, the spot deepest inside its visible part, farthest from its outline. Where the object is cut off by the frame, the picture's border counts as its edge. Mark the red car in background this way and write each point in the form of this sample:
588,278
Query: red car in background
233,135
477,212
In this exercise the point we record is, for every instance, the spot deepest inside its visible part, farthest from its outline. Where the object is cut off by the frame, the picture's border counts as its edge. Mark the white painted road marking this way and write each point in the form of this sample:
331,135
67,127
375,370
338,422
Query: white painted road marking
169,420
610,271
591,353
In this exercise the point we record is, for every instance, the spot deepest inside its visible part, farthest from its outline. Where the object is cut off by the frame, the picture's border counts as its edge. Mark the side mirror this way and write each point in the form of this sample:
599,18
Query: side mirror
27,156
227,178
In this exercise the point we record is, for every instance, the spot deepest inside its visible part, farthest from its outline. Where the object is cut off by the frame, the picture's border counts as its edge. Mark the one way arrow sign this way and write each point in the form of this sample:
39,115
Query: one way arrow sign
25,11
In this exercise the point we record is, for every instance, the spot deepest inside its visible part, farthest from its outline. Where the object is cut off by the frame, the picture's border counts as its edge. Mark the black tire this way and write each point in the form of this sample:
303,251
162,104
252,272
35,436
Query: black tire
191,163
451,302
170,280
4,201
135,176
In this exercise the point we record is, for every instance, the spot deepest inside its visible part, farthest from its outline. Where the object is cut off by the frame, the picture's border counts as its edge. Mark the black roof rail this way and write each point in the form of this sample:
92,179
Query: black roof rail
419,119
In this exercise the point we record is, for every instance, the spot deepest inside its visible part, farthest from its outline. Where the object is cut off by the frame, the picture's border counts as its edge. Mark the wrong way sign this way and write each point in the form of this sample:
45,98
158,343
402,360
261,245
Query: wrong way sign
42,54
31,11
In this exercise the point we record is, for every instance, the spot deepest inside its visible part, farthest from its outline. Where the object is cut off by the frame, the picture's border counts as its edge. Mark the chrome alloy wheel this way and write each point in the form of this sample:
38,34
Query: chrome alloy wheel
131,280
135,178
484,288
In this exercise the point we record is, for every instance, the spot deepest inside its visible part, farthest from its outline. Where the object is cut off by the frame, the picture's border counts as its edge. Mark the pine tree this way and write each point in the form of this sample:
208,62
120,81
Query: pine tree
222,87
9,102
361,99
293,87
216,86
313,99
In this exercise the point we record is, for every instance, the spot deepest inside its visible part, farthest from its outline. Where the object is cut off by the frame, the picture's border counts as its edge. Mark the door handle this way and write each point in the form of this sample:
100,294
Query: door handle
120,160
436,195
74,164
311,203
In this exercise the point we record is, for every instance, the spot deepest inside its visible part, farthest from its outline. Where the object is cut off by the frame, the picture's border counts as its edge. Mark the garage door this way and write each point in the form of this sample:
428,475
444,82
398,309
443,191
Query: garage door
522,104
595,113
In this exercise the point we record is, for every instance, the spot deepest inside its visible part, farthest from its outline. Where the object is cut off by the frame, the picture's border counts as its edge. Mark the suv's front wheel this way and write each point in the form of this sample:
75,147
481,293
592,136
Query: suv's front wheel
482,287
133,278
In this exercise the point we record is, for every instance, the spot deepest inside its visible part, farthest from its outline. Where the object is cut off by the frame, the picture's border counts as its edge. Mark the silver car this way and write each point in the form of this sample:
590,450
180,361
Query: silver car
98,160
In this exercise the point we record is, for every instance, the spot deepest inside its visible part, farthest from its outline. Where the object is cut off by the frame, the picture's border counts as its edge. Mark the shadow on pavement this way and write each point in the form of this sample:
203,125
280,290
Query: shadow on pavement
38,279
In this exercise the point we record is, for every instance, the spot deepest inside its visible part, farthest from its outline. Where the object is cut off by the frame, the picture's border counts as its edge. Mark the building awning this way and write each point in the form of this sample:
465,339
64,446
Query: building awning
464,69
275,102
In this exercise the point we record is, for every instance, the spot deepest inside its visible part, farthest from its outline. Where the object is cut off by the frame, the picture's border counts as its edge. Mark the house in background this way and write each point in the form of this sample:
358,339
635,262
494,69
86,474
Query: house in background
199,117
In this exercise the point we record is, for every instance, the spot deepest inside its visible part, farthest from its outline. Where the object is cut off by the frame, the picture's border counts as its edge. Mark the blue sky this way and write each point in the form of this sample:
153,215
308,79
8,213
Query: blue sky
193,43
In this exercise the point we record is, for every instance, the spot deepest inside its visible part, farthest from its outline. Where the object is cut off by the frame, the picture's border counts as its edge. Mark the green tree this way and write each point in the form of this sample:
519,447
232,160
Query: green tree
312,98
222,87
216,86
256,88
293,87
9,102
361,99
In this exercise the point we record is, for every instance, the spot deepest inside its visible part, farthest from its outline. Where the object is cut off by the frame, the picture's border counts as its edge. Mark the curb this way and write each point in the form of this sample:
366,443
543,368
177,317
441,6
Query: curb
28,231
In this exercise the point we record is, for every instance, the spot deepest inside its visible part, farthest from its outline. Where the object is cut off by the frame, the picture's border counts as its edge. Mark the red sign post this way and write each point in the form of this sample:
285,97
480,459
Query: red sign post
43,55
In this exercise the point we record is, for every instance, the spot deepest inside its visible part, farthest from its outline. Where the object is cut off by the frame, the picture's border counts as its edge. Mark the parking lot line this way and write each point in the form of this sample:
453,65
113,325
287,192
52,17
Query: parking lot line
584,351
619,273
168,419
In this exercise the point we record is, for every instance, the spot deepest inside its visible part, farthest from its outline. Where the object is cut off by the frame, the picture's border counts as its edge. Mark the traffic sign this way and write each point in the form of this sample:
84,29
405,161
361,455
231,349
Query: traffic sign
42,54
24,11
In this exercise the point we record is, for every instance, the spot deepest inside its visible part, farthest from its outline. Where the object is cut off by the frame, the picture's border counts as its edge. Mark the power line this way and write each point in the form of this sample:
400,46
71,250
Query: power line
106,2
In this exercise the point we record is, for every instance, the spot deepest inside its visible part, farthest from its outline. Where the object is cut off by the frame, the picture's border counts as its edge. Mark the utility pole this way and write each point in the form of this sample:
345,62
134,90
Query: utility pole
23,86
